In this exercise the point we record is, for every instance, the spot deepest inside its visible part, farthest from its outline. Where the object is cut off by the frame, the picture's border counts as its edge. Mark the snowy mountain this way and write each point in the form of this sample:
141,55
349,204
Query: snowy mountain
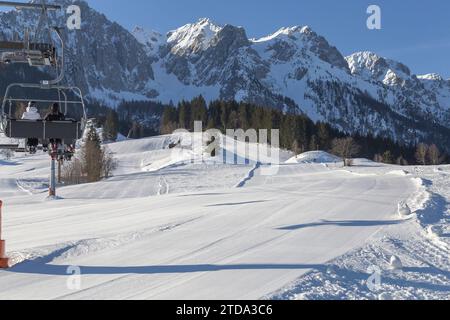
424,96
152,40
293,69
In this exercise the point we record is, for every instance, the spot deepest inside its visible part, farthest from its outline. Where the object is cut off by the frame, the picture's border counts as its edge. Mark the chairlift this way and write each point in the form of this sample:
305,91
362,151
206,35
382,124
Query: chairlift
38,54
68,130
32,50
35,54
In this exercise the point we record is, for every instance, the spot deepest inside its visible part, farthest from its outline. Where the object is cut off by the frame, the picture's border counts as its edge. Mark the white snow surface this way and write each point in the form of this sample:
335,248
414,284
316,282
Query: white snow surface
224,231
151,39
315,157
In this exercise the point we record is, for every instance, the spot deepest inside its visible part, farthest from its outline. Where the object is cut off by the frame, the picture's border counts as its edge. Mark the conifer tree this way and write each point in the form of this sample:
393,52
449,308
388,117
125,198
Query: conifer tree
111,126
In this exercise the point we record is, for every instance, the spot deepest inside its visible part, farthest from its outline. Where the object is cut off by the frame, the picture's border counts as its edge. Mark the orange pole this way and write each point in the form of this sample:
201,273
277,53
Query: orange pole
4,261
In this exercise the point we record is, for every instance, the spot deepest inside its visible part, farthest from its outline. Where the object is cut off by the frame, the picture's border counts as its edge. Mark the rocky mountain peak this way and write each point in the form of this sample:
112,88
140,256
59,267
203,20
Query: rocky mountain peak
193,37
231,38
371,66
326,52
151,39
286,33
303,37
431,77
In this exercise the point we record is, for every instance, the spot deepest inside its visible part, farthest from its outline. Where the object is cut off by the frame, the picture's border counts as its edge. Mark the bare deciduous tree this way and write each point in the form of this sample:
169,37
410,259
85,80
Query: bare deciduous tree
345,148
401,161
387,157
434,155
109,163
378,158
421,153
295,147
72,172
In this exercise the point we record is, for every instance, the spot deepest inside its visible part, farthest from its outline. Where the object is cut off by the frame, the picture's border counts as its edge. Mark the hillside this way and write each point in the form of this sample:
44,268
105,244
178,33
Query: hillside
223,231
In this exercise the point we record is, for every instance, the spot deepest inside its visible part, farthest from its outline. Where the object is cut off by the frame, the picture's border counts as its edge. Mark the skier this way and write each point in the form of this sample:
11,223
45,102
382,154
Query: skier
32,114
55,115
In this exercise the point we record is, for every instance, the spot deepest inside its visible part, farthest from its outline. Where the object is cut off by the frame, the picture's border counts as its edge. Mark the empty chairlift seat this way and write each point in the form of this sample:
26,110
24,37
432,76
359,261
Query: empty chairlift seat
35,54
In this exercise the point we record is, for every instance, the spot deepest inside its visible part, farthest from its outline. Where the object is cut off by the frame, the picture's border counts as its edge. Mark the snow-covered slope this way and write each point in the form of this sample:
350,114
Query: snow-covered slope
186,231
314,157
152,40
418,243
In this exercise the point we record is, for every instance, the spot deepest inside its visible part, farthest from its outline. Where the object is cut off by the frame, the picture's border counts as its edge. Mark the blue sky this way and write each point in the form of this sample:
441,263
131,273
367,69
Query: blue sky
416,32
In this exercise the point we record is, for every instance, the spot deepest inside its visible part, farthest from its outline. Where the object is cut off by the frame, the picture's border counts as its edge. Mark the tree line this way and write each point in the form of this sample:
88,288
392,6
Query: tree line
298,132
132,119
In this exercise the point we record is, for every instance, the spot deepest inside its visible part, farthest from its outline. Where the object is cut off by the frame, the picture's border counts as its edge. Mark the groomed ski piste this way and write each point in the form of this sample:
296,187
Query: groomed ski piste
166,228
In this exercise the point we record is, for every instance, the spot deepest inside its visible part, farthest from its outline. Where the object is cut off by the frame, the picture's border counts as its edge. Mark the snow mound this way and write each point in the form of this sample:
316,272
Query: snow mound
435,231
385,296
402,173
395,263
314,157
404,210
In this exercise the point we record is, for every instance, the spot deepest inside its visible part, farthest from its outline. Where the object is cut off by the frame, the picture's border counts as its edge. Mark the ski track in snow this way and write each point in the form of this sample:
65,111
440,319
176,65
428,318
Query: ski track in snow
249,176
426,258
308,232
163,187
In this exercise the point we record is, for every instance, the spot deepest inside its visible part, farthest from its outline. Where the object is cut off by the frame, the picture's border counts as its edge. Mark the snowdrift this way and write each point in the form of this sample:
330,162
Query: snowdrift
155,153
314,157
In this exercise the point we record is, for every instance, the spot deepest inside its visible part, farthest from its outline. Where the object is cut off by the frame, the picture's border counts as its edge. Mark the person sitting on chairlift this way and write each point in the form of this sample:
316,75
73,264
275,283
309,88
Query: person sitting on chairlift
32,114
55,115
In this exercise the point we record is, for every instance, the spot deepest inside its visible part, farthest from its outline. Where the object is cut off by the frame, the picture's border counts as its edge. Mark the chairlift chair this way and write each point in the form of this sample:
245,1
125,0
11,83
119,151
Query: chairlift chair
34,54
68,131
37,53
33,50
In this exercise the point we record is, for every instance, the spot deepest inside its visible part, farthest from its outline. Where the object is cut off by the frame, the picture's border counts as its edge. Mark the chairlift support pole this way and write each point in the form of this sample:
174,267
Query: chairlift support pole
52,188
59,170
60,76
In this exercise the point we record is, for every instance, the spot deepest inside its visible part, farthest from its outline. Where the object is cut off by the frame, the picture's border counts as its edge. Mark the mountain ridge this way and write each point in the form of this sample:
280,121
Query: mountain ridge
294,69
